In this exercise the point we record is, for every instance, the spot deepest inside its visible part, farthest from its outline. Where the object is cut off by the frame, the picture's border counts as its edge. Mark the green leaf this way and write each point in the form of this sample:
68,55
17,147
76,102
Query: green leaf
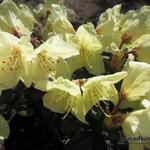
4,128
81,141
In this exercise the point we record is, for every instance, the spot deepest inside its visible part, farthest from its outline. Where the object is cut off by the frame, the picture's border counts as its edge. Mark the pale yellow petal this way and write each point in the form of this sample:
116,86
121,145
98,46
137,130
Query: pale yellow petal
9,60
137,83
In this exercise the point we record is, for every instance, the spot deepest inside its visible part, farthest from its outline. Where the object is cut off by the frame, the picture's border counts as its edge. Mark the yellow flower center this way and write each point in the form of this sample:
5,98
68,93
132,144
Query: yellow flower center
47,62
15,51
11,63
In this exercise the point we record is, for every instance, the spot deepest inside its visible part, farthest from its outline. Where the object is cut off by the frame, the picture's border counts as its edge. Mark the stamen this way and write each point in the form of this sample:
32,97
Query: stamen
62,97
69,106
125,39
15,51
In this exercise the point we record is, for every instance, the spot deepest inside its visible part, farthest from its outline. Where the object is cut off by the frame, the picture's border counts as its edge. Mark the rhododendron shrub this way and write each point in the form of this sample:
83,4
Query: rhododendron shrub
112,58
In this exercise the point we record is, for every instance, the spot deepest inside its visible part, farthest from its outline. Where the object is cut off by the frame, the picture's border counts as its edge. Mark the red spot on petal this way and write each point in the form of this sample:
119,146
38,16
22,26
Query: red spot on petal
16,32
79,81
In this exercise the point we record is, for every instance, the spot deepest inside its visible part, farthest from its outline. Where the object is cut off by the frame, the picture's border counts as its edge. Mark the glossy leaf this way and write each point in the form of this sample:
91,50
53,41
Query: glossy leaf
4,128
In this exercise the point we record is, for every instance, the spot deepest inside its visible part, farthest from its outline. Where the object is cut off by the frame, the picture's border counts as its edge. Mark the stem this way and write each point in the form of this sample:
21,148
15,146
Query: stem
117,106
108,115
121,44
81,90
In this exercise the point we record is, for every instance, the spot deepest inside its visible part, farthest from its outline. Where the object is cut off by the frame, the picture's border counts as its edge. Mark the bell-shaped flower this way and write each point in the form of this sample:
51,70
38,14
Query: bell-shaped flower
57,22
78,97
48,60
42,10
61,96
10,53
136,128
15,20
136,26
90,50
142,52
51,56
125,30
108,26
33,73
25,15
136,85
30,70
16,61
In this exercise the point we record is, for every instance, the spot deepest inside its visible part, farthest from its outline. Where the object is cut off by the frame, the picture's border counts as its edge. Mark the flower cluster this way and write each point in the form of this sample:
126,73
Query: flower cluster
116,51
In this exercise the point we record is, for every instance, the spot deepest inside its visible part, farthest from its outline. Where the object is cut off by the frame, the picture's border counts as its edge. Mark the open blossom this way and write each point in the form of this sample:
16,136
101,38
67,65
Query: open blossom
136,85
90,49
17,62
20,61
57,22
65,96
15,20
124,30
108,27
136,127
120,42
52,54
136,24
142,52
10,55
48,60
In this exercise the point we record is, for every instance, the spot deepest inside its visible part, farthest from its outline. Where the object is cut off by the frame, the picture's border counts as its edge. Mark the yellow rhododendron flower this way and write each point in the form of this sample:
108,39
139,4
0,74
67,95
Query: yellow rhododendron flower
17,61
31,71
48,60
108,27
42,10
10,54
90,50
20,61
57,22
127,30
51,56
136,127
137,26
136,85
143,52
65,96
26,15
15,20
